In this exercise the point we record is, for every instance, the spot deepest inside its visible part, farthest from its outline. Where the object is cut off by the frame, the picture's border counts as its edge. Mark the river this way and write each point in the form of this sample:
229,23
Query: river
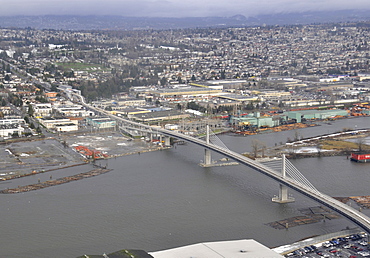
164,199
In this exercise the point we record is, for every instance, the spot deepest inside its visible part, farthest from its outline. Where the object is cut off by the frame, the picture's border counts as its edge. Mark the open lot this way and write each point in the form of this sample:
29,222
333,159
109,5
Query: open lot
24,157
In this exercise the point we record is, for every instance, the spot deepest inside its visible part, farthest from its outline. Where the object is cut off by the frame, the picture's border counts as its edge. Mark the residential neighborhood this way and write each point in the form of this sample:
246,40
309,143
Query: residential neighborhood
186,74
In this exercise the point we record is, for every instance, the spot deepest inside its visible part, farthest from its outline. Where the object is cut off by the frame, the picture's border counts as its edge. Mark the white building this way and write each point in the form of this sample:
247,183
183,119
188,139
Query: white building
42,109
247,248
8,130
8,121
60,125
65,127
73,110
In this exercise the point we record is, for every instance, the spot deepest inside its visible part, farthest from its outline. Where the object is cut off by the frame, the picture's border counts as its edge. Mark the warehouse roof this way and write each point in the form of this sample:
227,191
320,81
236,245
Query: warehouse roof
246,248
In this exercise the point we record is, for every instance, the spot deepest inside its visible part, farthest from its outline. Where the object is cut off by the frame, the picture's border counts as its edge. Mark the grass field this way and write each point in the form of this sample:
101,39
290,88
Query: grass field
341,145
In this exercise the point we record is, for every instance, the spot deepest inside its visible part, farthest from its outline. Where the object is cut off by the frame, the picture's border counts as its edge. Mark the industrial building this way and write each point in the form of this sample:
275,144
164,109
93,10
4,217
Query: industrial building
258,121
73,110
298,116
101,122
255,120
238,98
185,92
59,125
159,116
246,248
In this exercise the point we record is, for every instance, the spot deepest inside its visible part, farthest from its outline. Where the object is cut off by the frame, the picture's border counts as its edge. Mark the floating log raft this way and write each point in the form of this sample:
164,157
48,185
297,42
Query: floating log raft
59,181
363,201
311,215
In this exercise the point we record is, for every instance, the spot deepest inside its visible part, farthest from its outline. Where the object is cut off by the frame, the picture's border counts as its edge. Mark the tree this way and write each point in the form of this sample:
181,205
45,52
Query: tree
31,111
319,148
360,144
296,135
249,106
256,146
163,81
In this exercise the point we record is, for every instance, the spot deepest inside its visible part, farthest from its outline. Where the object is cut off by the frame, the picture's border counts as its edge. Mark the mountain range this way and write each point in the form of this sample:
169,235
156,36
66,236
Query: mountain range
65,22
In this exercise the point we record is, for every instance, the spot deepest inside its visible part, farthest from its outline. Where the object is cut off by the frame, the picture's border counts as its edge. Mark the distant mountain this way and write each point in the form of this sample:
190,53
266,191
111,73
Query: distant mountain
142,23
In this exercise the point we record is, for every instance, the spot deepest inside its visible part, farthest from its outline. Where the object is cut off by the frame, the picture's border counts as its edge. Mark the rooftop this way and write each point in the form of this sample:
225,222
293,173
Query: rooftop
246,248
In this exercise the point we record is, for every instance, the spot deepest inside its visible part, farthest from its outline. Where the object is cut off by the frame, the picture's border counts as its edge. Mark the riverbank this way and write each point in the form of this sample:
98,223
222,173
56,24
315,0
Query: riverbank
335,144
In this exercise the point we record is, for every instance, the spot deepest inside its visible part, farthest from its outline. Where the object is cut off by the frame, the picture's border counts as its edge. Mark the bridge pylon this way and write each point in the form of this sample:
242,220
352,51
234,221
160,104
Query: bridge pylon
283,189
207,152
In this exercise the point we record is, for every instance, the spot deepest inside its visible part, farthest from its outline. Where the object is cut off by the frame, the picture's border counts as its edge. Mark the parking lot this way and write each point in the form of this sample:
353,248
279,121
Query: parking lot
352,246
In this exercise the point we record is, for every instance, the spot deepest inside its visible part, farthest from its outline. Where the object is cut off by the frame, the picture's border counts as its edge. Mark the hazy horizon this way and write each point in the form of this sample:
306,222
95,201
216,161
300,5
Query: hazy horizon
173,8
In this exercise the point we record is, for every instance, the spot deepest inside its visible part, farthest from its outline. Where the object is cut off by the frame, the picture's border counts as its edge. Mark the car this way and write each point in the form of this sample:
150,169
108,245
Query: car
308,249
363,243
327,244
342,239
334,241
364,253
297,252
313,247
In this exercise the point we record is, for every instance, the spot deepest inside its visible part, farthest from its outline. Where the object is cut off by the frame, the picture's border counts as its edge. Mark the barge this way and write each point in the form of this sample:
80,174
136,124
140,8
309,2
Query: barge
360,157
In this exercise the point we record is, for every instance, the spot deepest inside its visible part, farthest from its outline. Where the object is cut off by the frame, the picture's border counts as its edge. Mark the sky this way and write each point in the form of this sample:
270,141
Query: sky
173,8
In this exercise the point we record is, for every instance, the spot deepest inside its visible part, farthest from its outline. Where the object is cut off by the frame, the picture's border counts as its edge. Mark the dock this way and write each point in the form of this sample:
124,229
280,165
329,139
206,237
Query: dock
59,181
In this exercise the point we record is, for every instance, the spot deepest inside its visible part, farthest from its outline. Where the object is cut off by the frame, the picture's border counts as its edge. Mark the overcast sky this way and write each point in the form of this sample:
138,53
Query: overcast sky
172,8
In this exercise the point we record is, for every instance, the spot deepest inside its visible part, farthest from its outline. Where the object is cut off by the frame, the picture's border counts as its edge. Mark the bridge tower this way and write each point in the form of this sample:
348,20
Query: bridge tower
283,190
207,152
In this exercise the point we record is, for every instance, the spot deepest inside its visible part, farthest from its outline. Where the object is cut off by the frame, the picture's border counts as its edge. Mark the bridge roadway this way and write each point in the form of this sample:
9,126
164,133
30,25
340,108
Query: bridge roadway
352,214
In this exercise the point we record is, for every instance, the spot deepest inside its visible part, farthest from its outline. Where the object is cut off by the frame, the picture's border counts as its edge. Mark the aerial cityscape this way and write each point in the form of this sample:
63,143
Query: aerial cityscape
210,133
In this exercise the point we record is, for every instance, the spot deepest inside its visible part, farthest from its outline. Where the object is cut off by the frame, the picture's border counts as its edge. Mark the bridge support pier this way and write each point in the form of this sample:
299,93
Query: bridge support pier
283,190
167,141
207,157
207,152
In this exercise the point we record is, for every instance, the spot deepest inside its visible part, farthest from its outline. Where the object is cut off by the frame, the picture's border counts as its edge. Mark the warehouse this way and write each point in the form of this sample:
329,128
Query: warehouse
160,116
101,122
298,116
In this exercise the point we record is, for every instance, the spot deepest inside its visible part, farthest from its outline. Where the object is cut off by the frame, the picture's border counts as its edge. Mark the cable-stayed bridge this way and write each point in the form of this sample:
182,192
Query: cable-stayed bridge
284,172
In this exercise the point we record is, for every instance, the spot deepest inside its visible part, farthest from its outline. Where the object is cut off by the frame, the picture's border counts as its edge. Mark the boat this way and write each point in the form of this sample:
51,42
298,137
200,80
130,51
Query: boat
360,156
